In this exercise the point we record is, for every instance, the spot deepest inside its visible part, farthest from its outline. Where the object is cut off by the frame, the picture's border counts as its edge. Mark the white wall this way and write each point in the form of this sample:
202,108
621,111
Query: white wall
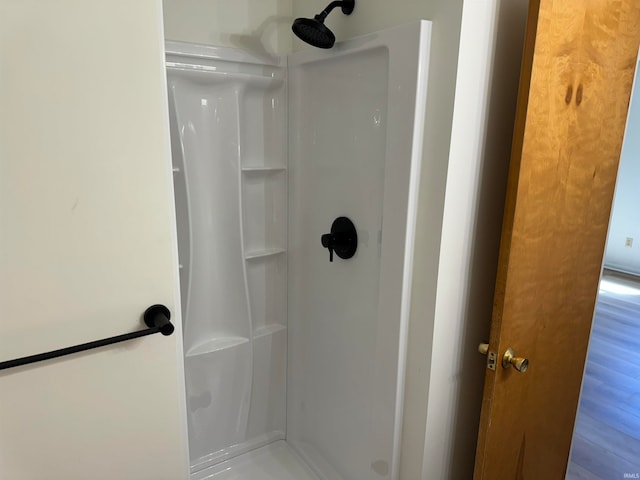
259,26
625,218
87,243
372,15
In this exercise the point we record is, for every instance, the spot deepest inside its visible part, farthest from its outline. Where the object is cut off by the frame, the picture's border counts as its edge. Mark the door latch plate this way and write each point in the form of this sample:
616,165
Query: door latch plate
492,360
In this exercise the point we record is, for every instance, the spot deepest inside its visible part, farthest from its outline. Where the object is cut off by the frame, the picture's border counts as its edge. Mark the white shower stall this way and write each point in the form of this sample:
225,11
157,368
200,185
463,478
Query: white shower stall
295,364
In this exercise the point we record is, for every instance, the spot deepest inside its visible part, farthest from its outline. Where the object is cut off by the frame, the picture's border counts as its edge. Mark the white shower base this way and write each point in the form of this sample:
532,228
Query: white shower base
276,461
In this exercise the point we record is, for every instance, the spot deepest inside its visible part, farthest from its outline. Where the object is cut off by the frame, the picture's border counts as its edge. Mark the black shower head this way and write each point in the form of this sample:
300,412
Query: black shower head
314,31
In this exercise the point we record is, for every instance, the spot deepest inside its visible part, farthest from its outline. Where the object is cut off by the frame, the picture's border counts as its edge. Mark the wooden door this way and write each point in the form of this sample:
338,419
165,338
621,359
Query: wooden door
577,75
87,243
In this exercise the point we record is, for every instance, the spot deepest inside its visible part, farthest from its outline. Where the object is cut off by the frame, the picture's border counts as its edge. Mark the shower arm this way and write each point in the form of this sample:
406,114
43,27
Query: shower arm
323,15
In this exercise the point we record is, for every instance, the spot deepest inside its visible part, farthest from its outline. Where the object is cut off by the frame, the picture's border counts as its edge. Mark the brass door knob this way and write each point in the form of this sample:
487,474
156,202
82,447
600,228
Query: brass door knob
483,348
510,359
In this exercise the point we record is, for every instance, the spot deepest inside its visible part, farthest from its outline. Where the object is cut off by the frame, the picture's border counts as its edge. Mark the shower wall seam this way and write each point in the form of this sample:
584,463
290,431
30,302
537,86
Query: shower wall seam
286,299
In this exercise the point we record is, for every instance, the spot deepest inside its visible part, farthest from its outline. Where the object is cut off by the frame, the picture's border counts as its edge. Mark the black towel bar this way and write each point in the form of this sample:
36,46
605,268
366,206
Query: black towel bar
156,317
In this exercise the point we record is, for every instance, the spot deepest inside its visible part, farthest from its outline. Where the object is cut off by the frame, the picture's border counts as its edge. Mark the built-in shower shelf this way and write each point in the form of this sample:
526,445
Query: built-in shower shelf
268,330
263,170
215,345
267,252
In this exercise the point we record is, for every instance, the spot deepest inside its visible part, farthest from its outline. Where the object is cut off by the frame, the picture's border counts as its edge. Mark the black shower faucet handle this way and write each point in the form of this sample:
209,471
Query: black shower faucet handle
343,239
328,241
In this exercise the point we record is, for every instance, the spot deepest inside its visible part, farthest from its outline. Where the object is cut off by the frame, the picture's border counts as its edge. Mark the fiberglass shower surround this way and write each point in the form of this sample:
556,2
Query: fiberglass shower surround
295,364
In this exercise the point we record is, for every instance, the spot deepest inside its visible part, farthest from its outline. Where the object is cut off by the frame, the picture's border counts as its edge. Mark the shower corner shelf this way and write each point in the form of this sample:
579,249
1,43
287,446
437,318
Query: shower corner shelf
263,169
214,345
267,252
270,329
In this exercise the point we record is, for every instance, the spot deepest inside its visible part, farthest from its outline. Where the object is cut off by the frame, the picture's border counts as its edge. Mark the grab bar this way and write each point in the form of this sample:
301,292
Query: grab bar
156,317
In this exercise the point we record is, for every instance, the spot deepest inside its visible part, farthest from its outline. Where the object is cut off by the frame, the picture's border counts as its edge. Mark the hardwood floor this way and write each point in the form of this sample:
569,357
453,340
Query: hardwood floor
606,441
